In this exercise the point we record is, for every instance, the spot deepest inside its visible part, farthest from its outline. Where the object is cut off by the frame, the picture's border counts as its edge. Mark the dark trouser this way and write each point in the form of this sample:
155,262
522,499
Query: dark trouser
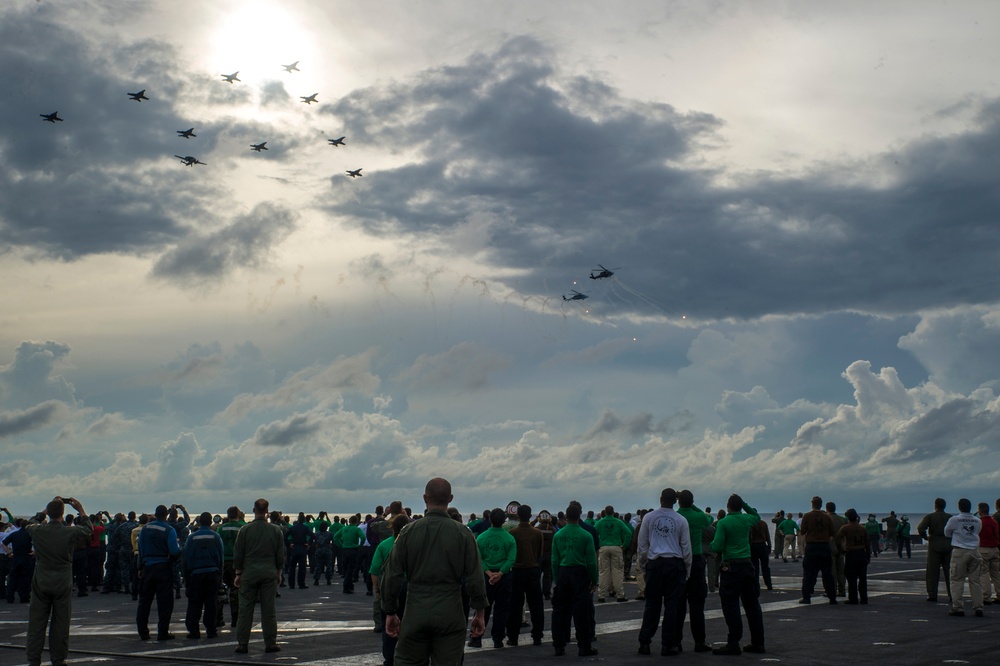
297,570
22,568
818,560
856,570
202,595
693,597
760,555
526,585
546,565
80,570
365,565
571,600
324,565
388,642
738,583
839,574
902,541
352,560
664,587
126,566
4,571
938,560
873,540
49,606
157,581
112,583
133,571
498,605
95,566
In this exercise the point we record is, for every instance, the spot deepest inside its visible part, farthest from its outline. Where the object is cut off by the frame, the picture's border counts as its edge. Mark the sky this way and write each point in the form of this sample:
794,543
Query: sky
798,202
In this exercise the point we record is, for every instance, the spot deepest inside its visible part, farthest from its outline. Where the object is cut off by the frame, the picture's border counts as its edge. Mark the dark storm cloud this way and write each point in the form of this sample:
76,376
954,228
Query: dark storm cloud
639,426
246,243
287,432
40,416
582,175
105,179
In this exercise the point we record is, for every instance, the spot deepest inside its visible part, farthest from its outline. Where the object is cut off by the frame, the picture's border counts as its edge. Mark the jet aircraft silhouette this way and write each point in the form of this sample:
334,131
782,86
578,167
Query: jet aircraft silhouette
310,99
230,78
188,161
187,134
354,174
139,96
51,117
292,68
337,142
259,146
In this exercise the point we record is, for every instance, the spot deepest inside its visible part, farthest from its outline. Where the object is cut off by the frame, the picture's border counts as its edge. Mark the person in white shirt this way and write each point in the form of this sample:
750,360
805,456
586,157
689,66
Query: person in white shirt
963,530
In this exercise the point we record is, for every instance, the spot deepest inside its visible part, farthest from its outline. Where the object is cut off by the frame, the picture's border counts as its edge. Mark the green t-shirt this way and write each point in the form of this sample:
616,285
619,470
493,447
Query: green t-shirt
697,520
380,555
732,534
497,549
351,536
789,526
574,546
613,531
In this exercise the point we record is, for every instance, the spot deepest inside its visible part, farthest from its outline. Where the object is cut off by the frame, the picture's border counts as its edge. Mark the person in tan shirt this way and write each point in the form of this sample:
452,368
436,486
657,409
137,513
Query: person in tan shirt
852,541
817,531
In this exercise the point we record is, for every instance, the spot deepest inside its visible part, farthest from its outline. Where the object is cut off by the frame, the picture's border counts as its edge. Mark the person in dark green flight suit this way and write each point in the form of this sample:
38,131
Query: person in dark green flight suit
434,554
258,558
52,584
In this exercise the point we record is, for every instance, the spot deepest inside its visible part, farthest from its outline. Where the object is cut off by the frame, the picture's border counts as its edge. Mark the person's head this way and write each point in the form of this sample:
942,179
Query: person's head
524,513
852,516
940,504
685,498
395,508
871,517
205,519
379,510
498,517
323,527
964,505
892,514
144,519
609,510
573,513
984,509
455,514
817,503
55,510
131,515
437,494
667,497
233,513
261,508
161,512
69,520
355,520
398,523
172,513
301,518
831,507
590,514
735,503
905,519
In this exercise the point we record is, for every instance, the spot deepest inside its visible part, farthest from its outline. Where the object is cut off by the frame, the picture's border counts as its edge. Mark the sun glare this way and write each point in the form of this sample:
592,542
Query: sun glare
257,38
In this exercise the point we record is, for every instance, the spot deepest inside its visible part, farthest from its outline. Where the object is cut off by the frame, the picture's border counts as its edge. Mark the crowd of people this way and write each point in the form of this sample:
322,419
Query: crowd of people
442,568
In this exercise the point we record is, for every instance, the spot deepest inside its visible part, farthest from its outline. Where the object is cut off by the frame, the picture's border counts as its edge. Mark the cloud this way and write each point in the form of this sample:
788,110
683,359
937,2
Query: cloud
286,432
14,473
465,367
177,463
245,243
30,378
40,416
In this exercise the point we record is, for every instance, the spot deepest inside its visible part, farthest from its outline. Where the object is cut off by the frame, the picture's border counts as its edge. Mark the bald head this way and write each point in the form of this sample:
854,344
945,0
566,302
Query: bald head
437,493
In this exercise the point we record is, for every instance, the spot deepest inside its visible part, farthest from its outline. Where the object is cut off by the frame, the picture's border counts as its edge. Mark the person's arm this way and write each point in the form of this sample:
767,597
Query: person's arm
10,518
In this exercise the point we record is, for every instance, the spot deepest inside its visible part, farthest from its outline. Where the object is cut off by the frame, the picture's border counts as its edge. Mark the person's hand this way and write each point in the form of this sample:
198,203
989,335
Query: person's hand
478,624
236,580
392,626
593,588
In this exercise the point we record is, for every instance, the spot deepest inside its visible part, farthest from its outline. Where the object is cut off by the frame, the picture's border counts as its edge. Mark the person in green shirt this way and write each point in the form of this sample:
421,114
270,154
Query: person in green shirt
350,539
498,551
227,531
903,538
738,578
379,558
574,570
614,534
790,529
696,588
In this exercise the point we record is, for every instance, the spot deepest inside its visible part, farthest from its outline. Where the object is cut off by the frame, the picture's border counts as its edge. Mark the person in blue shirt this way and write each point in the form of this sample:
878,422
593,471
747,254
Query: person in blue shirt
203,554
158,548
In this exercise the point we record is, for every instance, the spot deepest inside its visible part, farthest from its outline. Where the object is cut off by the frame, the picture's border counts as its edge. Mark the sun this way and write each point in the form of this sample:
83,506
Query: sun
257,37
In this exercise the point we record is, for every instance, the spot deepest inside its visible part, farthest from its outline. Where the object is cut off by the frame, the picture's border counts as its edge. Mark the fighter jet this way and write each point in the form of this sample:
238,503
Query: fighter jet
337,142
187,134
355,173
139,96
188,161
577,296
292,68
259,146
310,99
230,78
51,117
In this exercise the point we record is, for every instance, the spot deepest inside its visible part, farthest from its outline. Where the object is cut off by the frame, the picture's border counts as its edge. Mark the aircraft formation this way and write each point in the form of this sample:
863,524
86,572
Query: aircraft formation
189,133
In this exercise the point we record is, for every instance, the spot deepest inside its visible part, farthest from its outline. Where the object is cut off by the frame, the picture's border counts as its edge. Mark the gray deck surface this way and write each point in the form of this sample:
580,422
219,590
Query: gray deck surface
320,626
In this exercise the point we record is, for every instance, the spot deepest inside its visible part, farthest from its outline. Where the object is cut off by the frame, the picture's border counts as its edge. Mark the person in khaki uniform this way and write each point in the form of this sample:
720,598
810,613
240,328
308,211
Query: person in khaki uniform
258,558
52,584
434,554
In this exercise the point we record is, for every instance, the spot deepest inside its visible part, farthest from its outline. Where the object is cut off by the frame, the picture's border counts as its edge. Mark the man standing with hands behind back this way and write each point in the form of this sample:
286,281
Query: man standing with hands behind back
52,584
258,558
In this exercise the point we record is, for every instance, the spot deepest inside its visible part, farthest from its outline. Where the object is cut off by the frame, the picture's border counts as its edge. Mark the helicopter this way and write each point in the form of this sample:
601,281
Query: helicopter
596,274
577,296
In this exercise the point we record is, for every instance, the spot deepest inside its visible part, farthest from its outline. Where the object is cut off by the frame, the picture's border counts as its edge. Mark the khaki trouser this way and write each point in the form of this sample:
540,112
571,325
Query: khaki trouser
965,563
611,567
989,570
790,546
